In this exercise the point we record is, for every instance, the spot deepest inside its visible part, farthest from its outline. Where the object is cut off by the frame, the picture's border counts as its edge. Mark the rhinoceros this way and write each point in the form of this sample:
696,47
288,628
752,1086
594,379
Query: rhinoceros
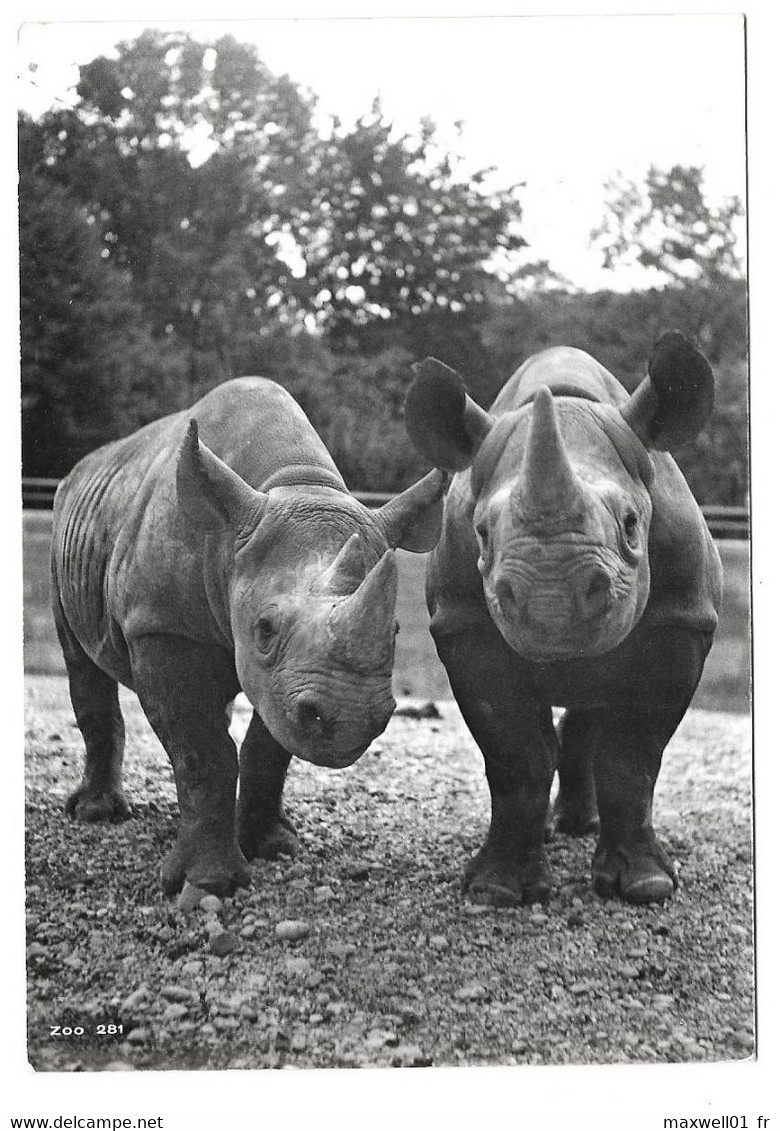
575,570
190,569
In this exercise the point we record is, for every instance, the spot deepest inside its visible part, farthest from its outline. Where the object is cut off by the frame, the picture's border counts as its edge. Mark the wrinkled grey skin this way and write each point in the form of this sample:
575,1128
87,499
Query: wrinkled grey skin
189,571
574,570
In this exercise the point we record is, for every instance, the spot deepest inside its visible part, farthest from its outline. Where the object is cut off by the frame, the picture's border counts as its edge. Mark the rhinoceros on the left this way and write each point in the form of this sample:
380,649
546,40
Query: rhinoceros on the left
189,571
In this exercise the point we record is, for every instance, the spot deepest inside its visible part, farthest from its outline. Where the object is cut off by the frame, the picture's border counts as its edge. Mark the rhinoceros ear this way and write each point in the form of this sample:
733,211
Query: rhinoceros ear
442,420
412,520
210,493
674,402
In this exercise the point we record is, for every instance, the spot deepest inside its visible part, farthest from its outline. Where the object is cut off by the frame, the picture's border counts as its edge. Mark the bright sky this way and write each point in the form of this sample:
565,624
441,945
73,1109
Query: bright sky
561,103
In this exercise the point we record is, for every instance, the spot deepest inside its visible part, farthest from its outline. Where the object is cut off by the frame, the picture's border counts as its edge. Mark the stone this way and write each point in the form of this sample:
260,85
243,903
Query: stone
292,930
223,943
190,897
211,903
175,993
133,1000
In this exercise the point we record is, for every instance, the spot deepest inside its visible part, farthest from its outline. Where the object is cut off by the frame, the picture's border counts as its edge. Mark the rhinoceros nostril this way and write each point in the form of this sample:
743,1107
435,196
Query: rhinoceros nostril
507,598
309,715
595,591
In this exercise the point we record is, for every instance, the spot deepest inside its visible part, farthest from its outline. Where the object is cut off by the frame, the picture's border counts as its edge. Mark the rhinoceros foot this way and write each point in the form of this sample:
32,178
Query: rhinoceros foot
573,821
491,879
268,842
215,867
639,874
90,805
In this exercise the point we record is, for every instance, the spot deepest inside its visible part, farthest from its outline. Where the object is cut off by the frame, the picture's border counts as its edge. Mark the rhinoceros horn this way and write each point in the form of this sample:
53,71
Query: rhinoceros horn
361,624
548,483
347,569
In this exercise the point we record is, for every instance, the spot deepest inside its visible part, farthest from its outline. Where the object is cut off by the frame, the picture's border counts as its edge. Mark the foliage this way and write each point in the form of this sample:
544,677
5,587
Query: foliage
619,330
668,225
193,218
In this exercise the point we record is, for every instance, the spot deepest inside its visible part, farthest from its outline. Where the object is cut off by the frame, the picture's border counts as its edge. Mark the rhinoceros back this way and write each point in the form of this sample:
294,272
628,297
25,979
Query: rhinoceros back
116,519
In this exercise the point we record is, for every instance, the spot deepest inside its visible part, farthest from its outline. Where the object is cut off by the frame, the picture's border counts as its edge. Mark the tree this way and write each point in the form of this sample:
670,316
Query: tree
395,231
667,225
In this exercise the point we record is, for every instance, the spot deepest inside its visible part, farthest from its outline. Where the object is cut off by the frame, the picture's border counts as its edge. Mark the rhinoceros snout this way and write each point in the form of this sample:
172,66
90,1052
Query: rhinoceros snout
583,596
321,726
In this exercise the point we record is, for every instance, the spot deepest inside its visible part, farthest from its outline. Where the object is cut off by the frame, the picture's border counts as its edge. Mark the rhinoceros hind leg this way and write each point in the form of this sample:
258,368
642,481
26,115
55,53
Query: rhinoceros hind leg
264,830
95,699
575,812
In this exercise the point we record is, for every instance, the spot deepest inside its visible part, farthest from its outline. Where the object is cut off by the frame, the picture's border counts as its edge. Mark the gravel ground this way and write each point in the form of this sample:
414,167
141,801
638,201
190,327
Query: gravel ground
362,952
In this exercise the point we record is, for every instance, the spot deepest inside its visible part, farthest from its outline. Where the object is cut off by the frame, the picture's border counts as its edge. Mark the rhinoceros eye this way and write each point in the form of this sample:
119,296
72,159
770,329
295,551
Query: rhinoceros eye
266,632
631,532
483,541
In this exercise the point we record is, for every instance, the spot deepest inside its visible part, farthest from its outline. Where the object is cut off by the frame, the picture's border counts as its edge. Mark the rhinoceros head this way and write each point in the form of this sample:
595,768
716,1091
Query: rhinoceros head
312,599
561,492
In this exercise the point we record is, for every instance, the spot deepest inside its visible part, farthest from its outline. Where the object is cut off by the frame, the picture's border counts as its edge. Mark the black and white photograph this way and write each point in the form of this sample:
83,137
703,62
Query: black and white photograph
386,532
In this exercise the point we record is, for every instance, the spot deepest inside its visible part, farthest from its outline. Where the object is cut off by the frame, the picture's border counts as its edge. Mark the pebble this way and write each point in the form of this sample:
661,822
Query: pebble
226,1024
628,971
135,998
323,894
222,943
298,967
175,1011
475,991
175,993
408,1052
248,932
190,897
438,942
291,930
358,870
139,1036
211,903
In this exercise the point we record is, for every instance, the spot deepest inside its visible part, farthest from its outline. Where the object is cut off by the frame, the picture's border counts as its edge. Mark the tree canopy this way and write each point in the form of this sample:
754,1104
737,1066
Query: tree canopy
194,217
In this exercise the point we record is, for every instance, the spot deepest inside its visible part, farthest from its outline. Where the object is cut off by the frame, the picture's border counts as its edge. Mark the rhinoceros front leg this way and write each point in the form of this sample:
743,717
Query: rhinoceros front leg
518,743
629,861
629,741
184,689
263,828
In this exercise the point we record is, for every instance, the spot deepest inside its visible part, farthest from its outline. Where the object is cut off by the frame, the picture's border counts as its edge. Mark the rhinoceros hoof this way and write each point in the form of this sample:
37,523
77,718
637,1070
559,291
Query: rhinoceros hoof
280,839
213,871
490,880
91,805
644,875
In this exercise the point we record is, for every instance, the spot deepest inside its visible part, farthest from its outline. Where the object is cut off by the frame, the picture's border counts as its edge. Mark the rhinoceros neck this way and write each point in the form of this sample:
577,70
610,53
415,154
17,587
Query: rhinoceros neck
305,475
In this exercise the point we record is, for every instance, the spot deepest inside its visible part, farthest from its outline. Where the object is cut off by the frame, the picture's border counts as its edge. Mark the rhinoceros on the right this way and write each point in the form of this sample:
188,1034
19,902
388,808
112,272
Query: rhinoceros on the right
574,570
